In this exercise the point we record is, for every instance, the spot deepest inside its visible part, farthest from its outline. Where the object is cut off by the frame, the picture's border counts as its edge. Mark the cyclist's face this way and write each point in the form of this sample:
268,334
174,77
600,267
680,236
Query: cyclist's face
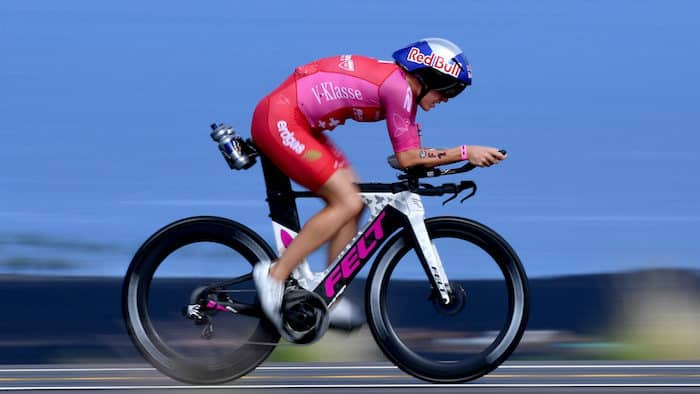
431,99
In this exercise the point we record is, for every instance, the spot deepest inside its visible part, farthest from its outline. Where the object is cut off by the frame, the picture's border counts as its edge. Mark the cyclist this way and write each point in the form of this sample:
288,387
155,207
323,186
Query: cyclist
288,126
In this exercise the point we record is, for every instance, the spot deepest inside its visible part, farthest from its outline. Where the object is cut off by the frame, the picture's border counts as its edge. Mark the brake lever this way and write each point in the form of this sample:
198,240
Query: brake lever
451,198
457,190
468,185
462,186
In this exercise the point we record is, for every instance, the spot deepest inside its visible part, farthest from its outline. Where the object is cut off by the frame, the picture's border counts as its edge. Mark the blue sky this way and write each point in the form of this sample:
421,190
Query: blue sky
105,107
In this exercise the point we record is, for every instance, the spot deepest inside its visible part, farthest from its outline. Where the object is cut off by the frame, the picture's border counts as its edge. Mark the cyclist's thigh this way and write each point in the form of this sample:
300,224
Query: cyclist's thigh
341,189
285,137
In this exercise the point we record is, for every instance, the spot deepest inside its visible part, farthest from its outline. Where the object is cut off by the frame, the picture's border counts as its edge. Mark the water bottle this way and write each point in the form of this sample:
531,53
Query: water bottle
231,146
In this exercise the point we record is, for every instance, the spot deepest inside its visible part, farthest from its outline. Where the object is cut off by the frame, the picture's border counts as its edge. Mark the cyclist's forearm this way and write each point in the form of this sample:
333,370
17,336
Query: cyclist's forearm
429,157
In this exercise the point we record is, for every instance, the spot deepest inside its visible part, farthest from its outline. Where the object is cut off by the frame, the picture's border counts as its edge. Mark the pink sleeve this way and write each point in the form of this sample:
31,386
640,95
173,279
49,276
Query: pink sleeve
397,100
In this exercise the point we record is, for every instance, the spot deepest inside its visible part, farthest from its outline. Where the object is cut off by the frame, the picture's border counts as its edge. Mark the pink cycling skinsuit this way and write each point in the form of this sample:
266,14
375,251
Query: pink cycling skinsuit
288,124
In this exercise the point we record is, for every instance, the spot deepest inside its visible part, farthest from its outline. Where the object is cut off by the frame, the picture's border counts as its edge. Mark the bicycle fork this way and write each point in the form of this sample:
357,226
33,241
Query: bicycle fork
427,252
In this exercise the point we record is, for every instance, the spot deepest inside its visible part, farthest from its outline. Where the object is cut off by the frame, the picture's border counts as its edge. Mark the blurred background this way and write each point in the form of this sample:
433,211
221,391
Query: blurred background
104,124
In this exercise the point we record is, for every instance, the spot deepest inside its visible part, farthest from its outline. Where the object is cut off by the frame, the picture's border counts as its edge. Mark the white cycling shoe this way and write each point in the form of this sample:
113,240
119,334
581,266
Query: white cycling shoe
346,315
270,294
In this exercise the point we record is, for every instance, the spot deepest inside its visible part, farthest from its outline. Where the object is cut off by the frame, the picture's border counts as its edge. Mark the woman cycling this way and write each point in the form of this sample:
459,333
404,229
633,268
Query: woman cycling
288,126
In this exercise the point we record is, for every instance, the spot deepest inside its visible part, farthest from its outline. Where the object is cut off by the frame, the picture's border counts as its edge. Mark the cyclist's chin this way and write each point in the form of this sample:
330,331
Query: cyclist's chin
427,107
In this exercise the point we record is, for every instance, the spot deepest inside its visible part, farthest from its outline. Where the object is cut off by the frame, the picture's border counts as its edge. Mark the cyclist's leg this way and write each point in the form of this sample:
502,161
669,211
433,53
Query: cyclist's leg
343,205
346,314
332,177
281,132
342,237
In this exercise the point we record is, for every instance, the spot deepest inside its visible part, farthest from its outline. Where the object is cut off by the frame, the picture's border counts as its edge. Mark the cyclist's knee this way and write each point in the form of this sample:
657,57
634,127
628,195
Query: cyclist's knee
351,200
338,188
350,204
354,205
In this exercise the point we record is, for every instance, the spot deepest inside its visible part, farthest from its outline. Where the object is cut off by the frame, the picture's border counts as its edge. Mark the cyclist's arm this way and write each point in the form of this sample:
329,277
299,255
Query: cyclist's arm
397,99
482,156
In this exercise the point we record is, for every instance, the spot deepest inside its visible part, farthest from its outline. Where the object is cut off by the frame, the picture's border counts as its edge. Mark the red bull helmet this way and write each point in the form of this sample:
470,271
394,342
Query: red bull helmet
438,64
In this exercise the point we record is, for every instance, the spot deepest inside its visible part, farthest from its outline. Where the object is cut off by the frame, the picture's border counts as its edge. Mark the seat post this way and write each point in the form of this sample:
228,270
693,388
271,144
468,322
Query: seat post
280,198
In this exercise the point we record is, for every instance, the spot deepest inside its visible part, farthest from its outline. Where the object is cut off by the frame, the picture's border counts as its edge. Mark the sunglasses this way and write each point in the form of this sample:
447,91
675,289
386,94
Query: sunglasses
452,90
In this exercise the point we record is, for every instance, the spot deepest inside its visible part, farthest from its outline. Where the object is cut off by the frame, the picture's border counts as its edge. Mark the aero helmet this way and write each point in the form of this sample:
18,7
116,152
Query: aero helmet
438,64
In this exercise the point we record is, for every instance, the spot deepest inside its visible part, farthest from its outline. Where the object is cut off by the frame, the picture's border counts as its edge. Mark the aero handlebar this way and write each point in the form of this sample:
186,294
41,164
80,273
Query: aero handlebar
417,172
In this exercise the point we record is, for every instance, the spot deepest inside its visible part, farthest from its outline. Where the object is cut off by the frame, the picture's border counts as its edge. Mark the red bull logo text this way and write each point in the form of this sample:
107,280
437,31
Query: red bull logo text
435,61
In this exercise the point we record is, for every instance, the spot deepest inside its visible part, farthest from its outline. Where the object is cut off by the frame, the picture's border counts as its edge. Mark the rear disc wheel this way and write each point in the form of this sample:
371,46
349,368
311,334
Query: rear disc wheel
173,265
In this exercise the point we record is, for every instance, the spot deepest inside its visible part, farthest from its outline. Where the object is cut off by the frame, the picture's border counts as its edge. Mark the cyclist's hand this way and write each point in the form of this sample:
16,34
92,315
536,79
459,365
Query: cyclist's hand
484,156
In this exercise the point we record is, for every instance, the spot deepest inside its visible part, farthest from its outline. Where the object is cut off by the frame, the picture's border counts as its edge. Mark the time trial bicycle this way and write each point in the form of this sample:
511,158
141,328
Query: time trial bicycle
190,305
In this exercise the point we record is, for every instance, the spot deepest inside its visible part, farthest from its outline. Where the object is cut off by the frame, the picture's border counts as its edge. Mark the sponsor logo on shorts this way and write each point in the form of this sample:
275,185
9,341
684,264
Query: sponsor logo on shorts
435,61
288,138
311,155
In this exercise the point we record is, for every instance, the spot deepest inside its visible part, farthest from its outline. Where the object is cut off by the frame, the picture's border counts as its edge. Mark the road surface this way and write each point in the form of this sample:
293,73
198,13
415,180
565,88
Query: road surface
531,377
